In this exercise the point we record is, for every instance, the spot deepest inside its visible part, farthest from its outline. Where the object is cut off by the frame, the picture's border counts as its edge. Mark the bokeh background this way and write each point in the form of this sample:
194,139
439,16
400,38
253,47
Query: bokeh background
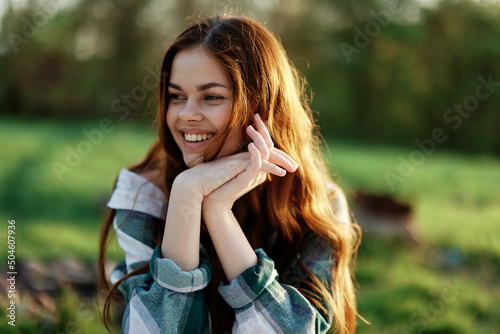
407,97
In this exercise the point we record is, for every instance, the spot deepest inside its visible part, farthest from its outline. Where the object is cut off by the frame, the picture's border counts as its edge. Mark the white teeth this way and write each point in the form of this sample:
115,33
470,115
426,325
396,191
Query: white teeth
197,137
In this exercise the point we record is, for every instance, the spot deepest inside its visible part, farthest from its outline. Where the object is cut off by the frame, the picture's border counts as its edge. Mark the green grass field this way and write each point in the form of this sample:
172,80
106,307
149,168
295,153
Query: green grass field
448,284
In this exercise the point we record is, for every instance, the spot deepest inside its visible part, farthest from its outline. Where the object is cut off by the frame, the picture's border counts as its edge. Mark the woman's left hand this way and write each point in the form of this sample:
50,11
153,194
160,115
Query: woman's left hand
262,151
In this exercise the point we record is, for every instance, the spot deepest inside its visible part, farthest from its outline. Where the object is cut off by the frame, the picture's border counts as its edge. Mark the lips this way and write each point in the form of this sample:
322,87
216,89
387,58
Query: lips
195,138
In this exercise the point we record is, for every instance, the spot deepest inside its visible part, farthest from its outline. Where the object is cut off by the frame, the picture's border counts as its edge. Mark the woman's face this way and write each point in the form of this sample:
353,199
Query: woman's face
201,98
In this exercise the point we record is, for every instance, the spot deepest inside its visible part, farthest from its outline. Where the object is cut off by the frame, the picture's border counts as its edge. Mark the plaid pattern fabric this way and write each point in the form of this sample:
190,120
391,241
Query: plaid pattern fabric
169,300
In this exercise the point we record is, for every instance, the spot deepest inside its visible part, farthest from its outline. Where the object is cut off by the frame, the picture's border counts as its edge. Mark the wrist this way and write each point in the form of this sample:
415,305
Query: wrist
212,212
186,187
186,201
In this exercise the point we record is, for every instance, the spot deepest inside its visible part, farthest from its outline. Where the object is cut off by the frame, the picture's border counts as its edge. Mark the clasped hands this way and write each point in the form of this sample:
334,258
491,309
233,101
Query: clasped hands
222,181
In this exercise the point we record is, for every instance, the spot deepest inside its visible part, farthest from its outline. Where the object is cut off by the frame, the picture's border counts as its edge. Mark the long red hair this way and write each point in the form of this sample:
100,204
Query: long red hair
265,82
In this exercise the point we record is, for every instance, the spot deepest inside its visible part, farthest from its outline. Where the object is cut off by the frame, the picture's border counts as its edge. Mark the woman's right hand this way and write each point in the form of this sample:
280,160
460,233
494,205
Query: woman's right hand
205,177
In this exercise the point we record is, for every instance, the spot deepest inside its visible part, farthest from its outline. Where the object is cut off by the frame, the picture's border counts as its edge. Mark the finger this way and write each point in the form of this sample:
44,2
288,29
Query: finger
254,168
286,156
255,157
259,142
272,169
262,129
282,159
261,179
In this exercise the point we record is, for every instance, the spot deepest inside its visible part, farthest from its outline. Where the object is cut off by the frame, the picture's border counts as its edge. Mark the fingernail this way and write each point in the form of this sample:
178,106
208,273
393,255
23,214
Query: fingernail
258,116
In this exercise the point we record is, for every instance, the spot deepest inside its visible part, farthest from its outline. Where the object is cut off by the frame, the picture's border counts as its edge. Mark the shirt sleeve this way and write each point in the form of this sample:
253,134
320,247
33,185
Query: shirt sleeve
264,305
165,299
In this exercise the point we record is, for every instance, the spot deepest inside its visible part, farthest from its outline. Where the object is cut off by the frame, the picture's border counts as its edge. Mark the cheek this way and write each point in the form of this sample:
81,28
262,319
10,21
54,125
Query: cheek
221,115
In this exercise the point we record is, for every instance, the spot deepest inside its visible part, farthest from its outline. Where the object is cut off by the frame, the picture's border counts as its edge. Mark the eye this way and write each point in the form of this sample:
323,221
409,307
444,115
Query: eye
213,98
175,98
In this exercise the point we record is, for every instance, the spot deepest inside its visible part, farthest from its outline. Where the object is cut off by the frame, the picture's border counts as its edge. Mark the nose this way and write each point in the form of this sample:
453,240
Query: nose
191,112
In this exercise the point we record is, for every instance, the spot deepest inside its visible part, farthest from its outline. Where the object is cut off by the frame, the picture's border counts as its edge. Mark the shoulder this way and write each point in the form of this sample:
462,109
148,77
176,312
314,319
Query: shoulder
338,202
313,246
138,192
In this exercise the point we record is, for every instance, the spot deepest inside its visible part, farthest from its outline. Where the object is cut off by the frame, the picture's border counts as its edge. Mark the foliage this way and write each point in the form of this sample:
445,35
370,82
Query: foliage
73,314
446,285
381,71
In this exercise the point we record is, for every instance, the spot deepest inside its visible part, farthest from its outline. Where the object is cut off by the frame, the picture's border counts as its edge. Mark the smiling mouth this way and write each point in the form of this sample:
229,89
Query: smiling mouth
196,137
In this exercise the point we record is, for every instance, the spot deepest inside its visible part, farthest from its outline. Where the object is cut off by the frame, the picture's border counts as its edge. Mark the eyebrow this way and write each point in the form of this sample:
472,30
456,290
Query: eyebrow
199,88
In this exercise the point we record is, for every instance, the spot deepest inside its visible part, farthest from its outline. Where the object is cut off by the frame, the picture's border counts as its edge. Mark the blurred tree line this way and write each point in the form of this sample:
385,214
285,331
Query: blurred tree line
380,70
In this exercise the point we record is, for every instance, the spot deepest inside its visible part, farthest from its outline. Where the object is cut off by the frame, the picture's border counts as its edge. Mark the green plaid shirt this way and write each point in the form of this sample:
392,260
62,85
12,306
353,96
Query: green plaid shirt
169,300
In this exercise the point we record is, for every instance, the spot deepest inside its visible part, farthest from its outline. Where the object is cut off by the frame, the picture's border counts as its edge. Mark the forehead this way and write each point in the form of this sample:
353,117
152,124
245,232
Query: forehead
194,66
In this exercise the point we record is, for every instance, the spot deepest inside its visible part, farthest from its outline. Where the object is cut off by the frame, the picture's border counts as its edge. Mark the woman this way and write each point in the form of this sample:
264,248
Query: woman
231,223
